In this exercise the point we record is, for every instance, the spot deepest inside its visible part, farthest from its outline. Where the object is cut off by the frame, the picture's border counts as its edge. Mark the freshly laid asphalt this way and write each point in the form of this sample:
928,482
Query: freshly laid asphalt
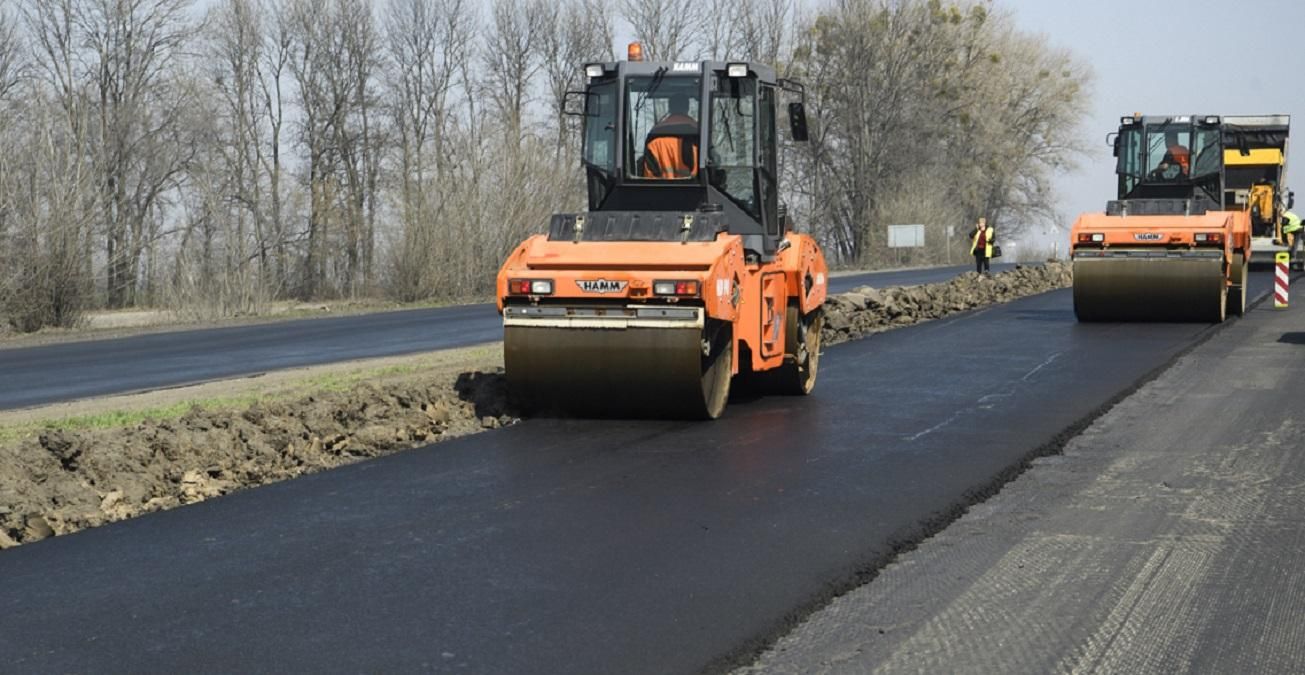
31,376
586,546
1166,538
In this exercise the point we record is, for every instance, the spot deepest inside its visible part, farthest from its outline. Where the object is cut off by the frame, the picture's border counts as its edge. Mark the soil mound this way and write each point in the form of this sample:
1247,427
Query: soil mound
866,310
64,481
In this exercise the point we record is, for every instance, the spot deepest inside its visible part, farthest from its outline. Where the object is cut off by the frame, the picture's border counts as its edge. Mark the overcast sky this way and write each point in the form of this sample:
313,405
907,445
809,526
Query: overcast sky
1172,57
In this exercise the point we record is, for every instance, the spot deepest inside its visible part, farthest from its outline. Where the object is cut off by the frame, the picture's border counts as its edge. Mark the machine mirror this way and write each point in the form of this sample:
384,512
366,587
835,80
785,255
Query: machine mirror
1291,200
1112,139
574,103
797,121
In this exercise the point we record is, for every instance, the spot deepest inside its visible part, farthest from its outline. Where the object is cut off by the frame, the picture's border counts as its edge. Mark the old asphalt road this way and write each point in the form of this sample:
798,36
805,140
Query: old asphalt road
585,546
1166,539
69,371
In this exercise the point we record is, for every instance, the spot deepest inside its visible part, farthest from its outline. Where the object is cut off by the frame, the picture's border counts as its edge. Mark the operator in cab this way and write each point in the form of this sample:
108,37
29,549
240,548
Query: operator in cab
671,149
1176,162
1178,153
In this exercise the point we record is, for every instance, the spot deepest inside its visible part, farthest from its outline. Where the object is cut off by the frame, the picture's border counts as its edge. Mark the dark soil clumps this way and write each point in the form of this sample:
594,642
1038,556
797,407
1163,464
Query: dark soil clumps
63,481
866,310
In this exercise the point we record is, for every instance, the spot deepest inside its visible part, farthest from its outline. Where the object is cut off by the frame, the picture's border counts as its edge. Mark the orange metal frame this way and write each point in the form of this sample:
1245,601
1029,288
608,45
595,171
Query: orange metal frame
1168,231
753,298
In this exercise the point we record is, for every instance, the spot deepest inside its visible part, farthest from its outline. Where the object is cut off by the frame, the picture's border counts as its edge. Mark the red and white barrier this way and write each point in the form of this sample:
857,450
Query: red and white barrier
1282,280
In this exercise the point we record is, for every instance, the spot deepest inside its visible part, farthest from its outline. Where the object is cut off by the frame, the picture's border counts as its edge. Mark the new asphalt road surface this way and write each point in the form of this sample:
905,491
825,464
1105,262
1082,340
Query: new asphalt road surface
1166,539
62,372
587,546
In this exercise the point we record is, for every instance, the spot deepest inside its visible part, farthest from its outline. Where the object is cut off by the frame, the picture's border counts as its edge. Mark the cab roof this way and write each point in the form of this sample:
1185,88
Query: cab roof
763,72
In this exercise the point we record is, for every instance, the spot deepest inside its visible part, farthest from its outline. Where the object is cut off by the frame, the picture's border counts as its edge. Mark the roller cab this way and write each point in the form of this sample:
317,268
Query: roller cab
1168,249
684,271
1255,161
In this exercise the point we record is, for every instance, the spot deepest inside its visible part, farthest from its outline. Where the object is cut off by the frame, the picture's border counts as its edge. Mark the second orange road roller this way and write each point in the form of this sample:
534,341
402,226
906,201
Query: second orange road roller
1176,243
685,271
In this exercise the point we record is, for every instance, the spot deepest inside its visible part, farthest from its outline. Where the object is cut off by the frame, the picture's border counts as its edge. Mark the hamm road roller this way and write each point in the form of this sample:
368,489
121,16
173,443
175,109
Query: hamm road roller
685,271
1174,246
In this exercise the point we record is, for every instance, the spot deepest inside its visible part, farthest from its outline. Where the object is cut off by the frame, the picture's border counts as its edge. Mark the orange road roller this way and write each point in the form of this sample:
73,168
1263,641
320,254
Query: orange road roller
685,272
1176,244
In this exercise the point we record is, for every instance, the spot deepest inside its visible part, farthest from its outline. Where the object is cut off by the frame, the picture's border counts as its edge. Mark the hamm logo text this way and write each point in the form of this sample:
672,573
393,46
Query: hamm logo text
600,286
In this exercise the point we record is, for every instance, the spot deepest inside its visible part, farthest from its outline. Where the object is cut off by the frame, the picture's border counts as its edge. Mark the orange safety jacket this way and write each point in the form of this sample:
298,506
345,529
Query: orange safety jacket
1183,156
665,158
671,151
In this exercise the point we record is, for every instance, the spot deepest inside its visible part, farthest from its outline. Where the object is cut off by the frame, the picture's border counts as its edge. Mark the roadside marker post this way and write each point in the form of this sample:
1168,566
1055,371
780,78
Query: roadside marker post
1282,280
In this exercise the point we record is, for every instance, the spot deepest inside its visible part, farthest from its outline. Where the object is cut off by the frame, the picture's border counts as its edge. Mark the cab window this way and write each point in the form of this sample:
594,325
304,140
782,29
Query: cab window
734,142
662,116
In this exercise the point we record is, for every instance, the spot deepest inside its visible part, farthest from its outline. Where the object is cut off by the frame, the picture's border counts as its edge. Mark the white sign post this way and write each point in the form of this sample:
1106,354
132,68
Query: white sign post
905,236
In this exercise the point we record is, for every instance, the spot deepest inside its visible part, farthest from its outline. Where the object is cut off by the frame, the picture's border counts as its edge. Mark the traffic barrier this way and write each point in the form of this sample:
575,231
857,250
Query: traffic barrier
1282,280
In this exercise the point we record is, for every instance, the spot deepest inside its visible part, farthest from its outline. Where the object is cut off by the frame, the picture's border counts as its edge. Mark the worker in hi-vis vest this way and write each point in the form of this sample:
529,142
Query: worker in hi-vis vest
981,246
1291,231
1290,227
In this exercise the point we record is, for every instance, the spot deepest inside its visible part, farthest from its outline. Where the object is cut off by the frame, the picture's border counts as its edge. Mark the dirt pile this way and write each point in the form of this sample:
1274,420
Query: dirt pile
866,310
64,481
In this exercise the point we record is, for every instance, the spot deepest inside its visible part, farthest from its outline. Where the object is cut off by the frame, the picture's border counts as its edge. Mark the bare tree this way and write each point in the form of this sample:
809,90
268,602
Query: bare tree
359,139
764,29
132,48
575,33
314,53
666,28
13,64
47,185
511,57
719,34
333,63
226,209
317,147
272,97
12,67
909,92
426,41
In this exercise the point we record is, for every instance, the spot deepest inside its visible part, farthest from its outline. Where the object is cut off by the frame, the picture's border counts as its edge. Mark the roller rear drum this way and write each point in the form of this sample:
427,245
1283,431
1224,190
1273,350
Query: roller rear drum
1155,289
630,372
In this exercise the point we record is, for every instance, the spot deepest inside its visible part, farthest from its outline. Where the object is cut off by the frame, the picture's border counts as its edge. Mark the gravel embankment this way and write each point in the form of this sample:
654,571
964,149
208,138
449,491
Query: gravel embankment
63,481
866,310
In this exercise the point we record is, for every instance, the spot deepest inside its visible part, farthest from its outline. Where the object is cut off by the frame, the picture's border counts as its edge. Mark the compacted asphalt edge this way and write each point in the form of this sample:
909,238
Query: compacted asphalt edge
909,540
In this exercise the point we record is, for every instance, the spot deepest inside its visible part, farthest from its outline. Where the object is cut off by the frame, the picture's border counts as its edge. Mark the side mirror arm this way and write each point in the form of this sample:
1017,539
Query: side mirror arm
571,107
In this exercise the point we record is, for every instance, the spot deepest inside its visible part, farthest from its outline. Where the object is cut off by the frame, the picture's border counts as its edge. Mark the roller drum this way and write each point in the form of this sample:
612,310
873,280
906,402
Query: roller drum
631,372
1238,273
1149,289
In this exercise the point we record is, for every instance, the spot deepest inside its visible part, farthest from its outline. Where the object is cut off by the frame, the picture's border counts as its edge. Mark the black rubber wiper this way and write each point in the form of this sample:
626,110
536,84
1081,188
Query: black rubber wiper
596,168
658,76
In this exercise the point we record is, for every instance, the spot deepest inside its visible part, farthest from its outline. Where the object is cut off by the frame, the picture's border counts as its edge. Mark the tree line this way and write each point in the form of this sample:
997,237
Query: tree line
213,161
